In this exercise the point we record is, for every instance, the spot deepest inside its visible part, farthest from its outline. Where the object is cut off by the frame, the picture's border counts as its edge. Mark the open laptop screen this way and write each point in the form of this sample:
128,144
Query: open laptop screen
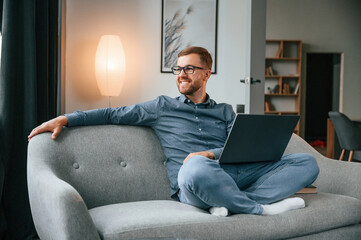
258,138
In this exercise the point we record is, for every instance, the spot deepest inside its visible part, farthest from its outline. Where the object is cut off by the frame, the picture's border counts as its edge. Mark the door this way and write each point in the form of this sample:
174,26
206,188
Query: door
240,55
323,86
253,79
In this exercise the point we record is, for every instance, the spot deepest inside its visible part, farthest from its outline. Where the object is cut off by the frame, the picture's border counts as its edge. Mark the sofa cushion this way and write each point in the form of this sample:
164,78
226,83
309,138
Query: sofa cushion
164,218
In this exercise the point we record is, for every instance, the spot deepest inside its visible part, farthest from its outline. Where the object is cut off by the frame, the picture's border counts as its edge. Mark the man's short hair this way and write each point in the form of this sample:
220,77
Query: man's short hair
204,55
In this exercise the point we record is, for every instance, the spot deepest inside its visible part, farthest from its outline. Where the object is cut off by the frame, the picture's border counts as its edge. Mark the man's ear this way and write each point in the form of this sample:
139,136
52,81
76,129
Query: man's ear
208,74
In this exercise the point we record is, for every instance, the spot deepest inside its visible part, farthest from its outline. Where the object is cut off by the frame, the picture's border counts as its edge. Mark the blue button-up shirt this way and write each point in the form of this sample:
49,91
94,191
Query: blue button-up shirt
181,126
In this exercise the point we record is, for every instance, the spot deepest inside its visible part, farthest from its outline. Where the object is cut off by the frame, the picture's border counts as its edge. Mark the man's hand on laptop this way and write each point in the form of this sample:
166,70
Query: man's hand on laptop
206,154
54,125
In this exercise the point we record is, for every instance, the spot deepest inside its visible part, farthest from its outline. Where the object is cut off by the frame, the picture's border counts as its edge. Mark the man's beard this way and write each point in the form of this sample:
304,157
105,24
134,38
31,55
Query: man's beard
189,90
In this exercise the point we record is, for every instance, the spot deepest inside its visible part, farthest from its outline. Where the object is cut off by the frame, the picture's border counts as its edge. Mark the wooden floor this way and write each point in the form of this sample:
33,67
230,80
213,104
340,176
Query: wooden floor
322,150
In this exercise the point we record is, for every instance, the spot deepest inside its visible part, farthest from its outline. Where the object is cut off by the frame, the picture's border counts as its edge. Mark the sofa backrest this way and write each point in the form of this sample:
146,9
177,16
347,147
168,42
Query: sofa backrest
105,164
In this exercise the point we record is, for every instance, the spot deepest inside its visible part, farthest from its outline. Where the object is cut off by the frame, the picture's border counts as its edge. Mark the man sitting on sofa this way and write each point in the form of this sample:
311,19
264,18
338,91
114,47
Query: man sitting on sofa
192,129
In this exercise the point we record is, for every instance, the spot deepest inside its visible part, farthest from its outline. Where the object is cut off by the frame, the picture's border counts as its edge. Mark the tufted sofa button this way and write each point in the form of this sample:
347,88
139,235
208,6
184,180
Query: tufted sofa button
123,164
76,165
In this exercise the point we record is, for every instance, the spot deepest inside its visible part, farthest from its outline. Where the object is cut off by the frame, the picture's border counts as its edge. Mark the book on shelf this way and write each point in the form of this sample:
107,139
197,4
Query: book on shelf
296,88
286,88
311,189
269,71
267,106
279,52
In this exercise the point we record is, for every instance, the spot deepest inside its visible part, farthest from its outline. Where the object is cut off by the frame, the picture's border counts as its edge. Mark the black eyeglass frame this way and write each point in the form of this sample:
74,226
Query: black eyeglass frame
190,69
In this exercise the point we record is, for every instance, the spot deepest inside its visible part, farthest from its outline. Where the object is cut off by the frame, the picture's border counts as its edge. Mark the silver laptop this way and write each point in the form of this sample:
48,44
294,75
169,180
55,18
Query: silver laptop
258,138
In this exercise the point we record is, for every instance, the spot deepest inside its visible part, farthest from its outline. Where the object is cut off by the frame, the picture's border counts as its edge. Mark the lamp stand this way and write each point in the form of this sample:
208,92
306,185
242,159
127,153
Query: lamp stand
110,102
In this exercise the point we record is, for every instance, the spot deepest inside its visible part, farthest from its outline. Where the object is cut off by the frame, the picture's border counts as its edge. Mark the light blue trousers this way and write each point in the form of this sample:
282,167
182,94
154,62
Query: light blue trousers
242,188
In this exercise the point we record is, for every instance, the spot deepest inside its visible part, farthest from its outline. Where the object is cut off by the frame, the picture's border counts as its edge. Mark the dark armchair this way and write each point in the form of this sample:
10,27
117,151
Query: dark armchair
348,134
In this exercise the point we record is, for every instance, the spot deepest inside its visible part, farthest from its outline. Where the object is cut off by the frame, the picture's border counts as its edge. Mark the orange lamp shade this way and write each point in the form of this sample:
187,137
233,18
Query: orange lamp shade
110,65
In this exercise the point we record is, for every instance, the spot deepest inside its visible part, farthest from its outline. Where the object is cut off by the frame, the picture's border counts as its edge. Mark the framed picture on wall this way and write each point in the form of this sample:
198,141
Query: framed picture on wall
188,23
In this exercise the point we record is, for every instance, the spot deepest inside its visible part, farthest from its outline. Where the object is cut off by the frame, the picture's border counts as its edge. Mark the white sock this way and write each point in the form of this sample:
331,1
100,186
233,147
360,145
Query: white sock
219,211
283,206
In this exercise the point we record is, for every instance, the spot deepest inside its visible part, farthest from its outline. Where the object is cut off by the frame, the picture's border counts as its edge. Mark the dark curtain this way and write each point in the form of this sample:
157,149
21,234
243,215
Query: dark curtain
28,97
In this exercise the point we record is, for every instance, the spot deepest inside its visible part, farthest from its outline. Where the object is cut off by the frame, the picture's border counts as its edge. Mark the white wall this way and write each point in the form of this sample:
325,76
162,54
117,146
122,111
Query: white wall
328,26
138,23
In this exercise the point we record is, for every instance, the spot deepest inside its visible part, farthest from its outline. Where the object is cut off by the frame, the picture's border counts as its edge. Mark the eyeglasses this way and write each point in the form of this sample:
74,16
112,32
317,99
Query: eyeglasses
189,69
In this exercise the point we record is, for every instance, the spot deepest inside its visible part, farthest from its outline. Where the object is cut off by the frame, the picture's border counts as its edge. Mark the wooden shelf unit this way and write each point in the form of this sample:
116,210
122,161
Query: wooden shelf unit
283,77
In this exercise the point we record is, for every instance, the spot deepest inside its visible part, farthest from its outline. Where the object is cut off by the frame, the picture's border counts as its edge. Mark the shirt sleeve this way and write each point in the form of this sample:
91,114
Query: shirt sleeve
145,114
230,116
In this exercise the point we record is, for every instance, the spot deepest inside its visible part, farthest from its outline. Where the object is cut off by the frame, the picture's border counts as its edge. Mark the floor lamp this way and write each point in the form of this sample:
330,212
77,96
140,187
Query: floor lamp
110,66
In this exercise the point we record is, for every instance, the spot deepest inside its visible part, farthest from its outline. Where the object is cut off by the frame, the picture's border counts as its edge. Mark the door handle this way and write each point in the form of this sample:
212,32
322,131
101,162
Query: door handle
249,80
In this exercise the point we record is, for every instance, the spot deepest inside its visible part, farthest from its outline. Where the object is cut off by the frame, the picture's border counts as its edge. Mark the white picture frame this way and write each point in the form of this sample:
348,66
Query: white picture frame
188,23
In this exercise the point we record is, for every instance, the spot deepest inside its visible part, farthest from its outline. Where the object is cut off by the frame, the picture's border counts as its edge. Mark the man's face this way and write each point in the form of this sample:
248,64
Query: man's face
188,84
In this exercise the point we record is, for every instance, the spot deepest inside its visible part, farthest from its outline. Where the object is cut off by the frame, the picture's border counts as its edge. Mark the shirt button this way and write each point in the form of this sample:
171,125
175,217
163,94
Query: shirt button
200,129
197,118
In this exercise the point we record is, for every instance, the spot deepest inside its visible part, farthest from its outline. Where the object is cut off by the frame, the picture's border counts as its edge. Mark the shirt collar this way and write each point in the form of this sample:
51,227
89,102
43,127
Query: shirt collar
184,99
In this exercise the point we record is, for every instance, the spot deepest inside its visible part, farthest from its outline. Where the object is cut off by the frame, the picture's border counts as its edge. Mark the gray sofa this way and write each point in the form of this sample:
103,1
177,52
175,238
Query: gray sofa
110,182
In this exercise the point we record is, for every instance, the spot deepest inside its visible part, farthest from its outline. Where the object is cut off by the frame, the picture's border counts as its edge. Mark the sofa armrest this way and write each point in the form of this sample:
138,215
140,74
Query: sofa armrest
335,176
339,177
58,210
